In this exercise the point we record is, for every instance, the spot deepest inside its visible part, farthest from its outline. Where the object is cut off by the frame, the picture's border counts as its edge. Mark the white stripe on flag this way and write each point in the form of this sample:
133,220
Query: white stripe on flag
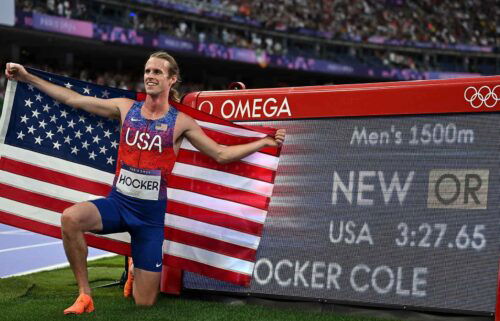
7,109
262,160
257,158
57,164
214,204
41,187
234,131
46,216
31,212
210,258
212,231
223,178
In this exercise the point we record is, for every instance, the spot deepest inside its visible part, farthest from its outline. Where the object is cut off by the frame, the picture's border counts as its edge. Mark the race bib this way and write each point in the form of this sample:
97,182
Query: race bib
139,183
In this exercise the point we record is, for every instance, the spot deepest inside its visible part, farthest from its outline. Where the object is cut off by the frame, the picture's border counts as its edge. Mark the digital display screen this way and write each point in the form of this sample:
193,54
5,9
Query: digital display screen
392,210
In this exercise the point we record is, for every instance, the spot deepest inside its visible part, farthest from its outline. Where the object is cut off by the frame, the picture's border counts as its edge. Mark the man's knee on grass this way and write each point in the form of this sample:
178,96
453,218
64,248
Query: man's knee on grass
144,302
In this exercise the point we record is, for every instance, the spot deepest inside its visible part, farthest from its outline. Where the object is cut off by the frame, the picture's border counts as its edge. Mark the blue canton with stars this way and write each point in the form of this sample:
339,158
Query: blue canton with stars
41,124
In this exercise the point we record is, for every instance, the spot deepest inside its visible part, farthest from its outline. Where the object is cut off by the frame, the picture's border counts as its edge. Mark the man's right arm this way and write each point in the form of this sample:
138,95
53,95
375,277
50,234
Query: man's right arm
111,108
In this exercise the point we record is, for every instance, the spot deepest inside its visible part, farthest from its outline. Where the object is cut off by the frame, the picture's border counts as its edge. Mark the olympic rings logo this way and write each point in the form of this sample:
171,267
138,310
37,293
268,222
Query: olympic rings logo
482,96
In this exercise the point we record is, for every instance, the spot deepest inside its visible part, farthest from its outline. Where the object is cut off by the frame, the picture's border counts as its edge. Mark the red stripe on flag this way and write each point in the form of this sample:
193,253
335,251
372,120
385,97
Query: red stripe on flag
218,191
210,271
54,177
215,218
209,244
13,219
228,139
237,168
34,199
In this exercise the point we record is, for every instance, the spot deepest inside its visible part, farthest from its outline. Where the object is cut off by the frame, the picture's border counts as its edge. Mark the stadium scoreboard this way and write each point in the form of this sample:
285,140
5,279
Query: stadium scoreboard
390,210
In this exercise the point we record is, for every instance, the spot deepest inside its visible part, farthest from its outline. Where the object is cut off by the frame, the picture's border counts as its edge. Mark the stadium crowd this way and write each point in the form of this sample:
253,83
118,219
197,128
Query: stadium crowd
436,21
404,22
470,22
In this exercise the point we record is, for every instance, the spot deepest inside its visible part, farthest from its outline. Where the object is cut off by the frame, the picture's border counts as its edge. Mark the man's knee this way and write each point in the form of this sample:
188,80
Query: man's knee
146,287
83,217
144,301
70,219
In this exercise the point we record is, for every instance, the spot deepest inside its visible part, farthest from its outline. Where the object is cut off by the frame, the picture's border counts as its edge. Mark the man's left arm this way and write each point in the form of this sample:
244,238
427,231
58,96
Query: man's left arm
226,154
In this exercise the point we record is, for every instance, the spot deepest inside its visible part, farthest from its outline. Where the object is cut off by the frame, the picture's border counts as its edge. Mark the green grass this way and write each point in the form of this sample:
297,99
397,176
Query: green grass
44,295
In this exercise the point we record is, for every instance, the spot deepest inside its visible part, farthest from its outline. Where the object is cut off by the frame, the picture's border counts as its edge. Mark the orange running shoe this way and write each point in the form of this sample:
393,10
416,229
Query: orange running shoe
129,285
82,304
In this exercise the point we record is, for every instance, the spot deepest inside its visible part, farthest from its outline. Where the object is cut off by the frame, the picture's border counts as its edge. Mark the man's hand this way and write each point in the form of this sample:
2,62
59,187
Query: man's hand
16,72
278,140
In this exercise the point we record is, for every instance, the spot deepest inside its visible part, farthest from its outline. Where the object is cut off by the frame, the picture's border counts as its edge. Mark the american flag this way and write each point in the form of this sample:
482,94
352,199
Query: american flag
52,156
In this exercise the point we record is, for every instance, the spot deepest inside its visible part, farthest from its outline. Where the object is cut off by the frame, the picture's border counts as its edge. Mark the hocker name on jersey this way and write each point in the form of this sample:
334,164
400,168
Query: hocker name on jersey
143,141
137,185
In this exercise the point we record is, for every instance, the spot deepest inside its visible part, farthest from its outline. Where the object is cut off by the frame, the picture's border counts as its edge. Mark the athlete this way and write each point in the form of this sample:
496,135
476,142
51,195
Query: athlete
151,134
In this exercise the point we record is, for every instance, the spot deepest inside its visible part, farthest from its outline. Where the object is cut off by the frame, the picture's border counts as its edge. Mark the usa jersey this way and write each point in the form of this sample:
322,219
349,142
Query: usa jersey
146,154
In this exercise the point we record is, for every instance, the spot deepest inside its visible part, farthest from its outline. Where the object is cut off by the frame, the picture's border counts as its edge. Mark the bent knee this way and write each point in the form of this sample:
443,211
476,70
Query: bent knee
69,218
80,217
144,302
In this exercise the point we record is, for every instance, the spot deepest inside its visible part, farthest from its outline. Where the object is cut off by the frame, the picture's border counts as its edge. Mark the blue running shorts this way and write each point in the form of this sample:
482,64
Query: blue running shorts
143,219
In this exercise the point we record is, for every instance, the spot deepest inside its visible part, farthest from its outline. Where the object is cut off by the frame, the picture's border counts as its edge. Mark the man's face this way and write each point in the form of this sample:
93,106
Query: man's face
156,77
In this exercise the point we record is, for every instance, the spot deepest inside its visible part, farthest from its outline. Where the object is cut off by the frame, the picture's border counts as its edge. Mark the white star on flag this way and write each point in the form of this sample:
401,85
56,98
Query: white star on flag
42,124
78,134
28,103
85,145
56,145
68,85
53,118
110,160
60,129
31,130
71,123
114,144
105,94
89,129
107,134
38,140
64,114
67,139
82,119
103,150
38,97
30,87
86,90
74,150
20,135
35,113
96,139
92,155
56,103
24,119
49,134
46,107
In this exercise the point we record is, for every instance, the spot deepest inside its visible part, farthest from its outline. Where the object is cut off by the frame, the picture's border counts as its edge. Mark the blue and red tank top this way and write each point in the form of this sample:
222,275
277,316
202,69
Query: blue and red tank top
146,154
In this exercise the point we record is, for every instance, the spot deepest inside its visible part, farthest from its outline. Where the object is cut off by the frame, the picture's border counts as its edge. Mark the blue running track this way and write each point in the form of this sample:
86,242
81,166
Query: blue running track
23,252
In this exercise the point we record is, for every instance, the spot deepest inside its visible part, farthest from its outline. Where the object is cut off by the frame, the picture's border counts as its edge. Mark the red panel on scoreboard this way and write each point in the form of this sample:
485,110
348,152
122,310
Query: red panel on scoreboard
419,97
